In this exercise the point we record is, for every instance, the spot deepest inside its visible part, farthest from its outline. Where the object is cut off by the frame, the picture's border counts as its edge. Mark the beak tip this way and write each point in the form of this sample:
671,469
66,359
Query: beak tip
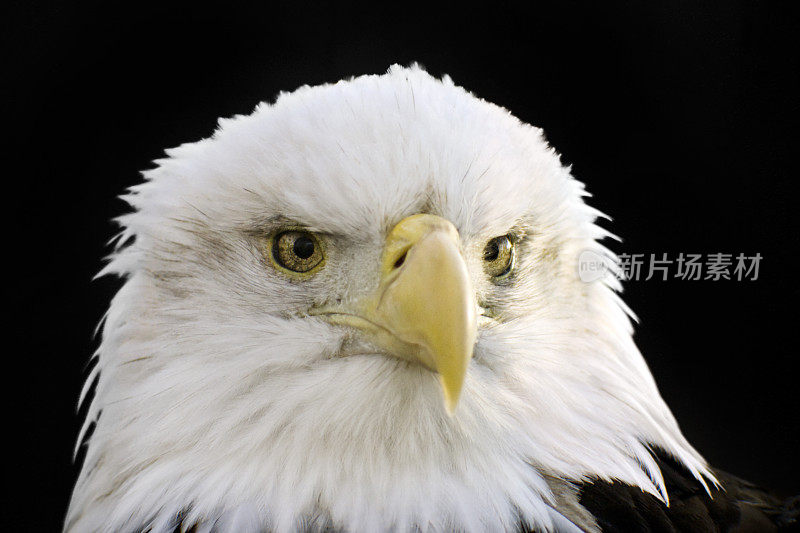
451,397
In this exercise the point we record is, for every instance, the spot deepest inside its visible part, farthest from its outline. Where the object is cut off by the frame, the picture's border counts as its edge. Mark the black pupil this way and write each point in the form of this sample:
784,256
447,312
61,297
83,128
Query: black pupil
492,251
303,247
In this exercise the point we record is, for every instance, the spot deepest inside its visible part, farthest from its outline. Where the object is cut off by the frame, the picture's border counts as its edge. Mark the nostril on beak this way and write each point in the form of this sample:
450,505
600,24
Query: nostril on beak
401,259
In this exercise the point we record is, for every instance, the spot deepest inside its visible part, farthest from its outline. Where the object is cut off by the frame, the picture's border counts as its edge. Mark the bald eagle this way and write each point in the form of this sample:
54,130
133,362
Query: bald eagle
359,309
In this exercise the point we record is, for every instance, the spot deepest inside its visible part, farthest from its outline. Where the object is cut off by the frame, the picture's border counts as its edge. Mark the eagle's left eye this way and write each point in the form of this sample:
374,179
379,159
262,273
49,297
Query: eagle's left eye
498,256
297,251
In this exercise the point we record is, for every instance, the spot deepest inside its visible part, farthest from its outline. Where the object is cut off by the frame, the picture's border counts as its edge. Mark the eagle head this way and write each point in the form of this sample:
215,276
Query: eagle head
359,308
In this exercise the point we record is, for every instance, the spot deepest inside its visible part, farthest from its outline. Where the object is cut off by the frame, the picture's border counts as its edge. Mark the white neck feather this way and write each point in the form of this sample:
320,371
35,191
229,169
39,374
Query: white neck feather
360,442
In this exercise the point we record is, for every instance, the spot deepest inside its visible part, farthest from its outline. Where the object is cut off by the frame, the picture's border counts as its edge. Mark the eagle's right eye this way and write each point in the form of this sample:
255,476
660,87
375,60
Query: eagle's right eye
297,251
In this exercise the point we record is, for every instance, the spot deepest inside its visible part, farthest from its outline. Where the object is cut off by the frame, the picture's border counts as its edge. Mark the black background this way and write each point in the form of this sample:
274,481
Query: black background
680,117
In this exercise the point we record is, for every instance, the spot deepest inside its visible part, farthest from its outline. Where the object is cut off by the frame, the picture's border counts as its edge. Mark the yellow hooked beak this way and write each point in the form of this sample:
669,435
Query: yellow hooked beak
424,308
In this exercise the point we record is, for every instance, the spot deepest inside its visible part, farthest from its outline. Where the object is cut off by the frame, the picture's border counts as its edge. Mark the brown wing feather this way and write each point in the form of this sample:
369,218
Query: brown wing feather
738,506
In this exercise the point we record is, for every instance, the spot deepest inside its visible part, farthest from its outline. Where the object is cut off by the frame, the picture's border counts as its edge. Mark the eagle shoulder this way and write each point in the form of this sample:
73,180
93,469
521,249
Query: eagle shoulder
735,506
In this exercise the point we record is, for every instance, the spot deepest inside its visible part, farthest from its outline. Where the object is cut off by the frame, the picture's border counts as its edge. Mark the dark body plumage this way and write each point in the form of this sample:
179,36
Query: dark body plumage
739,506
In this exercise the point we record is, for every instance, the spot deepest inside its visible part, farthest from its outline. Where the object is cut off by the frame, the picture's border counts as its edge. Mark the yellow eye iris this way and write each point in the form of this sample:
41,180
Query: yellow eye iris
498,257
297,251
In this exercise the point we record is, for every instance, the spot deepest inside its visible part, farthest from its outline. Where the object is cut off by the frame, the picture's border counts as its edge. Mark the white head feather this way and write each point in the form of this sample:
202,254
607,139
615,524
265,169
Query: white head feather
219,399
